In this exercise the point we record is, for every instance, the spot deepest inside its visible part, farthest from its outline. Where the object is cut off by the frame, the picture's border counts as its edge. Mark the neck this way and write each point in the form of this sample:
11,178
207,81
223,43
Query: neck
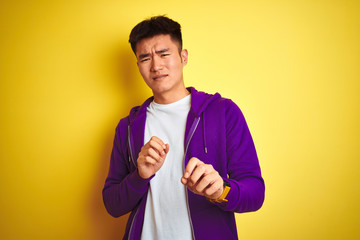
170,97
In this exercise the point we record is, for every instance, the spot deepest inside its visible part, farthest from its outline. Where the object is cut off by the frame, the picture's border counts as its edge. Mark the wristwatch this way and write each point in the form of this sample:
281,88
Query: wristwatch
223,196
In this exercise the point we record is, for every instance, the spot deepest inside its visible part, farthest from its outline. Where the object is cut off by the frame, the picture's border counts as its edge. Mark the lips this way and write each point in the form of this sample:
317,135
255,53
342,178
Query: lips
159,77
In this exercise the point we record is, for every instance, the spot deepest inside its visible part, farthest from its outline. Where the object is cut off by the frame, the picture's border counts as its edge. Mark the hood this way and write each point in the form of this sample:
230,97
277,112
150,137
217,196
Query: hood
200,100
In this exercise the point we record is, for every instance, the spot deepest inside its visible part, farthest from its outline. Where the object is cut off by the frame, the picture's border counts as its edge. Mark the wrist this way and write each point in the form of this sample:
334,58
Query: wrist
222,198
144,173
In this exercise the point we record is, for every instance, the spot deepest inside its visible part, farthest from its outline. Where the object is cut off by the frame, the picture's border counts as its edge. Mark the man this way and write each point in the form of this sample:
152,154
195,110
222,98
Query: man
184,161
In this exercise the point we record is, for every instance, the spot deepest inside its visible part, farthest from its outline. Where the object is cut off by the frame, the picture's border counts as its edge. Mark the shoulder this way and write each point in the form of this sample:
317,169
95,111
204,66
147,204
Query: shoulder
230,107
134,113
233,114
125,121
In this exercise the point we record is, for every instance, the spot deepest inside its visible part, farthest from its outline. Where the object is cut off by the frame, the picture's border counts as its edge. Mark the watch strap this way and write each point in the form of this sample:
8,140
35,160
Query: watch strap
224,194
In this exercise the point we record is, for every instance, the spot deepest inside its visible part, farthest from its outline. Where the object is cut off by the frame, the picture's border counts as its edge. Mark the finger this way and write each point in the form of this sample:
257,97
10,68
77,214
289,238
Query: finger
153,154
213,188
193,162
207,181
184,180
167,148
149,160
198,173
155,145
159,141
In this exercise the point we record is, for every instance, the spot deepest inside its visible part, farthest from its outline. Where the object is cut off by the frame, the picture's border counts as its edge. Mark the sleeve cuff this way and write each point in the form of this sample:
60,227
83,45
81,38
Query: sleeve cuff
231,197
137,183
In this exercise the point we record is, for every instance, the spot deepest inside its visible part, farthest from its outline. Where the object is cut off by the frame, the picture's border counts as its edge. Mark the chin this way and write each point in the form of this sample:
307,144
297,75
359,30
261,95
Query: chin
160,88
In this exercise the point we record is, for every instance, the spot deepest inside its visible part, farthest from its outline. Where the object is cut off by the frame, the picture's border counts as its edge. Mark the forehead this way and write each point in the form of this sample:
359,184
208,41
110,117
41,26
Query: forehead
157,42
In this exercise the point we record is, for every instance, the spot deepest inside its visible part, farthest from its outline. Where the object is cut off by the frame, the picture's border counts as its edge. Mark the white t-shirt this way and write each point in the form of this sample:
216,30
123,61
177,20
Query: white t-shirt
166,212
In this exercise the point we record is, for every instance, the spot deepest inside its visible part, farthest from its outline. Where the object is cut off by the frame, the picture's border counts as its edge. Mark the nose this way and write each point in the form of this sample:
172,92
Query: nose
156,64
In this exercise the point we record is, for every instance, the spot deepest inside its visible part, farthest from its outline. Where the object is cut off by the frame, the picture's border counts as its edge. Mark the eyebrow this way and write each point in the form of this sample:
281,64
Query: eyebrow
144,55
162,50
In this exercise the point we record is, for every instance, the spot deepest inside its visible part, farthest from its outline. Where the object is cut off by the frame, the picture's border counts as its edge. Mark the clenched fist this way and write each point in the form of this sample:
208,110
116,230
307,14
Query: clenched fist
203,179
152,157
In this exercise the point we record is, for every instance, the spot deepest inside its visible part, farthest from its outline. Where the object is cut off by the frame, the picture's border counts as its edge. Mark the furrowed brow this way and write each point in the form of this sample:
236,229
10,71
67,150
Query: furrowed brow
162,50
144,55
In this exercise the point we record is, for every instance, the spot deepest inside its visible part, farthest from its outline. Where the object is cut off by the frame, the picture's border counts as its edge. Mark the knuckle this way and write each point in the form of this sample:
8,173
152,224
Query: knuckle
202,167
206,179
209,167
199,188
214,187
209,191
194,180
148,151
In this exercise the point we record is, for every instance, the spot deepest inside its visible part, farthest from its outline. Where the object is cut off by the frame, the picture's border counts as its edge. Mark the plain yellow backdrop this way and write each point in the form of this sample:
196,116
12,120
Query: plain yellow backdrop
67,75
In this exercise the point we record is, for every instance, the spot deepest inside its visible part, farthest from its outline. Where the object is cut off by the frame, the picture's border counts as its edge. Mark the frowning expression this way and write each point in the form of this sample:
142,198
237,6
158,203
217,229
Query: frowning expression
161,64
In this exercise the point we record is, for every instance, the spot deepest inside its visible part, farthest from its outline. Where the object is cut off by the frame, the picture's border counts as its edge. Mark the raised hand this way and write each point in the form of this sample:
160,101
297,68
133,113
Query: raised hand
203,179
152,157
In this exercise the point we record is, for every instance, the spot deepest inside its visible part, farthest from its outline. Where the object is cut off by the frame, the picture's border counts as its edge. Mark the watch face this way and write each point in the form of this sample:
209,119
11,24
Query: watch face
226,184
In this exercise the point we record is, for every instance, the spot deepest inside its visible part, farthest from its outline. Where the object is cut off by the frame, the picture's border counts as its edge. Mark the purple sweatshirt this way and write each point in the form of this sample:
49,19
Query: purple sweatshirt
217,134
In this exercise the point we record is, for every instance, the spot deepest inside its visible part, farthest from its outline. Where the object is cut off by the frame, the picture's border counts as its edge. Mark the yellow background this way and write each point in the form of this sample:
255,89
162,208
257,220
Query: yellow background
67,75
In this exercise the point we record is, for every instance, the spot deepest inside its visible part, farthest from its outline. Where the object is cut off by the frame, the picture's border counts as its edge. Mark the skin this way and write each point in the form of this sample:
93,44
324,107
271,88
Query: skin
152,157
161,66
160,63
203,179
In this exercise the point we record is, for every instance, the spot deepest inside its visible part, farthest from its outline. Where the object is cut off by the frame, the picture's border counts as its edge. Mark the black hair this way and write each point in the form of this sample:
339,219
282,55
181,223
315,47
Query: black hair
155,26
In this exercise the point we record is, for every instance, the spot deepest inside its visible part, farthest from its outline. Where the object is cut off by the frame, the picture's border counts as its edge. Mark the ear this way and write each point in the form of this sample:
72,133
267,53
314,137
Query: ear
184,56
137,60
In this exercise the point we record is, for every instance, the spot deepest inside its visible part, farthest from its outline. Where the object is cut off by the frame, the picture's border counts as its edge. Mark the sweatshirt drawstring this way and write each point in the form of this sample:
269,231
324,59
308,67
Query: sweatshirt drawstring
204,132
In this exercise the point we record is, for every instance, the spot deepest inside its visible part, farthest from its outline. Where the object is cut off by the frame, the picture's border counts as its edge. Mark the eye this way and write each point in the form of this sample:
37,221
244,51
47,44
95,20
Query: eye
165,54
144,59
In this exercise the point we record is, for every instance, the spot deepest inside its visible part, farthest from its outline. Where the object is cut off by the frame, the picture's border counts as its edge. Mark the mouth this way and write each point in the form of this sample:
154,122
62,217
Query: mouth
159,77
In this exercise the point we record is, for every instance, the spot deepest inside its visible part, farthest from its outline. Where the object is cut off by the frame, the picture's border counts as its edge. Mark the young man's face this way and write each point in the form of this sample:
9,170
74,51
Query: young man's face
161,64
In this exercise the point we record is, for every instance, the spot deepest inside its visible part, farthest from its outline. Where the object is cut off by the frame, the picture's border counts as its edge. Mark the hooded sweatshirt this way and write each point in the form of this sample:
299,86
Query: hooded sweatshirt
216,133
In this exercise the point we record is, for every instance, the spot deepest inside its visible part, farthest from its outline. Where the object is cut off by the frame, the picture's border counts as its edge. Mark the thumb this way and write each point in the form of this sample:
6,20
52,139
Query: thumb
167,148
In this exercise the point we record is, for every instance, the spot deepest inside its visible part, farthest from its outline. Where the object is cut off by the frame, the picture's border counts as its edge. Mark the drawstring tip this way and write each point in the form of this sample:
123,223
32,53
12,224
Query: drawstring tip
205,149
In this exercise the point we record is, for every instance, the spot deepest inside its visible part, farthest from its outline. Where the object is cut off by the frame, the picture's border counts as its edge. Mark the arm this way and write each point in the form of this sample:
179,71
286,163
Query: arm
124,188
247,185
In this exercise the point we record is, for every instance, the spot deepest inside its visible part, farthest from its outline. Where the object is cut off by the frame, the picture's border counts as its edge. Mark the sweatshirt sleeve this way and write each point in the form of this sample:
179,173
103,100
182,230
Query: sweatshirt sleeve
123,189
247,185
